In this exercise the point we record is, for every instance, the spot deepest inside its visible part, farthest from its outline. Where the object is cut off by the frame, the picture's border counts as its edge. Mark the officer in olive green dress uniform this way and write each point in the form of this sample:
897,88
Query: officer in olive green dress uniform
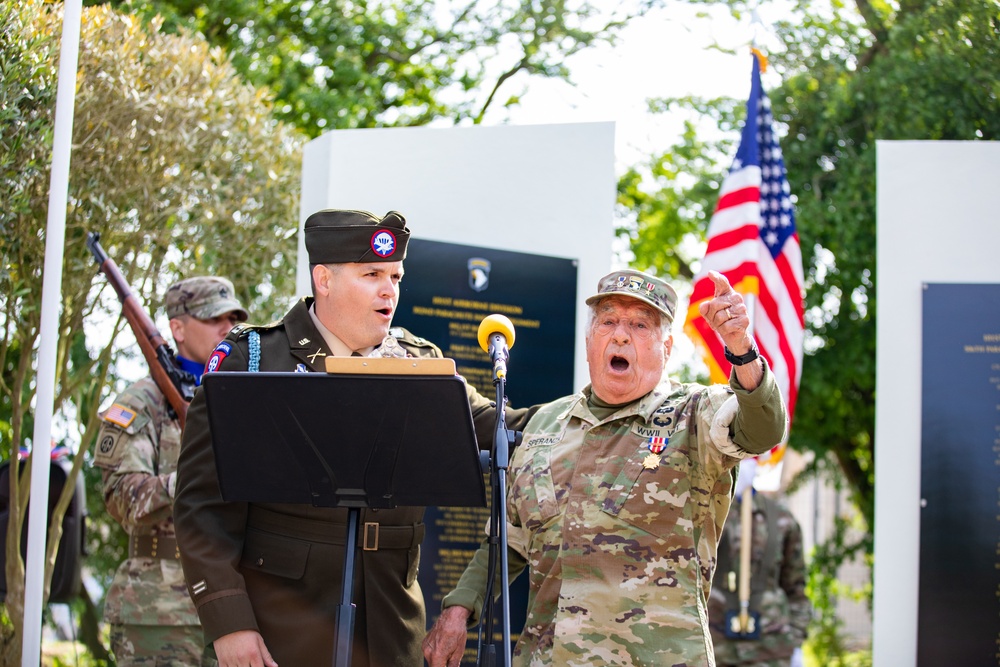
266,578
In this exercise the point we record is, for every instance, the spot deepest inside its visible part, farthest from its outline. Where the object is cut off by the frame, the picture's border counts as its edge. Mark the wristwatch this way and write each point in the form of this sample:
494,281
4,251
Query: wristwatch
742,359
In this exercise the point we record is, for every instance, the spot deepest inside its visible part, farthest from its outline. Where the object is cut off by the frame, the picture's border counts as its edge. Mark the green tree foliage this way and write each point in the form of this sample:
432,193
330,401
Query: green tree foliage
178,164
850,75
379,63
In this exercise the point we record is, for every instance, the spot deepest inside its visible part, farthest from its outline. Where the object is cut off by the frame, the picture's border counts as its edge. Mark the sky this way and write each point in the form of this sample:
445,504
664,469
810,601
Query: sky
663,54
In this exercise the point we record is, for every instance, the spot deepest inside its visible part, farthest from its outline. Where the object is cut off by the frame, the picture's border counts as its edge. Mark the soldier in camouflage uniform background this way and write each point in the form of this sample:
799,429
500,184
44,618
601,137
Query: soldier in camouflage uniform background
777,584
618,494
152,618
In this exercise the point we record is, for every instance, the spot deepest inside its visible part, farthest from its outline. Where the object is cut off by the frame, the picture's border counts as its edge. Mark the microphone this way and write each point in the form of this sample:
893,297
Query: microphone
496,336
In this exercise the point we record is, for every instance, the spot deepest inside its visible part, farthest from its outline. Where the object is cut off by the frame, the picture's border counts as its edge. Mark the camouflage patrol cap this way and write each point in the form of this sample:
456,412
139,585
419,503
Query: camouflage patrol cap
638,285
339,236
203,298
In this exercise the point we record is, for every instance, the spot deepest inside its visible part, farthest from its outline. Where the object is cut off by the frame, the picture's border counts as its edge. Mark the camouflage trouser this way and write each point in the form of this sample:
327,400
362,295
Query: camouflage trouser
776,662
159,646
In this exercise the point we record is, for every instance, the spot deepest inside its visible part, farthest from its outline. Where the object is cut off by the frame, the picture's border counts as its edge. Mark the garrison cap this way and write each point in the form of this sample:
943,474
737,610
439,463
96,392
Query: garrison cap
203,298
340,237
638,285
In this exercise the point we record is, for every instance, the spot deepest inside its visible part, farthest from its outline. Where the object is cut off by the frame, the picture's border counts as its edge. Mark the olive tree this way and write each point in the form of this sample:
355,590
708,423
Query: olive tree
182,169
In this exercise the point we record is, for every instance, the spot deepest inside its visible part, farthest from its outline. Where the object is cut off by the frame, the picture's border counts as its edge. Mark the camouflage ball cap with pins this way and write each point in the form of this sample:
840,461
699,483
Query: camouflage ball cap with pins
203,298
638,285
344,236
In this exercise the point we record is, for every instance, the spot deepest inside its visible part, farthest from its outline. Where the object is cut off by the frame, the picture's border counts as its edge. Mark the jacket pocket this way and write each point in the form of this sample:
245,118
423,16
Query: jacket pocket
413,565
532,494
653,500
274,554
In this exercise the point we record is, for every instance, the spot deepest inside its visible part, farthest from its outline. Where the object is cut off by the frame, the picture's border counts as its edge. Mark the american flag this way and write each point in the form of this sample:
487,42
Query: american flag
752,240
119,414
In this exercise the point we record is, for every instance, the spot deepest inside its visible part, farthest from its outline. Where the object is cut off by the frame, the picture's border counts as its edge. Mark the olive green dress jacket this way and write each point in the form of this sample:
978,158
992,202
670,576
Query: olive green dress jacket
277,568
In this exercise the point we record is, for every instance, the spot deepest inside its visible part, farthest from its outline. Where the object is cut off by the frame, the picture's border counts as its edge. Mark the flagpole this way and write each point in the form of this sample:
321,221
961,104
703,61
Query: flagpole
753,241
55,239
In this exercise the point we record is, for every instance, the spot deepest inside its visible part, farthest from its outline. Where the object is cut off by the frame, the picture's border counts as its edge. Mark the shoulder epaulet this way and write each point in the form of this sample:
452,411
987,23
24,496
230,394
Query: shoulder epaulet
242,329
415,345
401,334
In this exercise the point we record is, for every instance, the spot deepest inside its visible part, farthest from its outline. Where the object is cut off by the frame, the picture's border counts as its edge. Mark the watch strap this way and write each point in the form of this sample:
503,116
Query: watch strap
742,359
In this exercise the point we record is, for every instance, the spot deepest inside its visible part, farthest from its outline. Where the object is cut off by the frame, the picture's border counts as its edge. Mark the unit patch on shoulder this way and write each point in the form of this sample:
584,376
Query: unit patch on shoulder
120,415
107,454
221,351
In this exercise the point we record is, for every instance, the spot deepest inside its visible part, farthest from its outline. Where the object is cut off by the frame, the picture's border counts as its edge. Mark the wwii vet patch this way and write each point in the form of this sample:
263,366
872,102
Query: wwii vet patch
383,243
119,415
222,351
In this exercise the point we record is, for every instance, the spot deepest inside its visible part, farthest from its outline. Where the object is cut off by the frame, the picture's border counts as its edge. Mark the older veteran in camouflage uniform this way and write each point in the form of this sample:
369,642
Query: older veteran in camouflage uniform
266,578
618,494
152,618
777,586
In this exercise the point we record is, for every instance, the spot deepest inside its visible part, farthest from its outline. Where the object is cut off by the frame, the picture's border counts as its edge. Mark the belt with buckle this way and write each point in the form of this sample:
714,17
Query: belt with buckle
373,535
153,546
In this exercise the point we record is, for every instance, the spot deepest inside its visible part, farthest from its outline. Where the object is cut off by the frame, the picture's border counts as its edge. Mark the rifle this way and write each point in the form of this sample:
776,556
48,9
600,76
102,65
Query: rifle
176,384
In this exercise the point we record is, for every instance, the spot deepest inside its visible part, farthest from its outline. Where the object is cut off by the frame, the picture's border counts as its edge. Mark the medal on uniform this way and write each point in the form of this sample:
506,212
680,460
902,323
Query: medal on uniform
657,443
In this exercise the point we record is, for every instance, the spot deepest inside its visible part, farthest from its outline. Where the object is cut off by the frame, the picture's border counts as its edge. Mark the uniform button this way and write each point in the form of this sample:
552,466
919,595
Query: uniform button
260,561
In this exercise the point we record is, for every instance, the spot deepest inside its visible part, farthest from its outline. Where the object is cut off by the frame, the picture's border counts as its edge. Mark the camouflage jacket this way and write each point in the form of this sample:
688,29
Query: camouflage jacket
137,449
784,609
622,541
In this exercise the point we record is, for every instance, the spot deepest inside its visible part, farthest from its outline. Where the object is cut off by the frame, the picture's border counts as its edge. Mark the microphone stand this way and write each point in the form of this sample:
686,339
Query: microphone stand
503,441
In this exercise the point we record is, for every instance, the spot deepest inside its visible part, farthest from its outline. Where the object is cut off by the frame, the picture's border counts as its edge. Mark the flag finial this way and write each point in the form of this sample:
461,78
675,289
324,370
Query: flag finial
761,58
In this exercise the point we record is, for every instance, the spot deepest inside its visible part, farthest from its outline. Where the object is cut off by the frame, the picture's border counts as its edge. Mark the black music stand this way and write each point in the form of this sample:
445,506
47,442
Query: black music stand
344,440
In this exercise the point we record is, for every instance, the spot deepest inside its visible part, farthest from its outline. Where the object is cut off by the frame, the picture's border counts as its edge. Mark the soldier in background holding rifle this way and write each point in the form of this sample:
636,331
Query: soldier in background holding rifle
758,609
152,618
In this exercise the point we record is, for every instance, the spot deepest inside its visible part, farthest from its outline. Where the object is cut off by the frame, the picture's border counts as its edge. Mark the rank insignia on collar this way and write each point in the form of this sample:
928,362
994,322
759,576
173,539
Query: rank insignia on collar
656,444
651,462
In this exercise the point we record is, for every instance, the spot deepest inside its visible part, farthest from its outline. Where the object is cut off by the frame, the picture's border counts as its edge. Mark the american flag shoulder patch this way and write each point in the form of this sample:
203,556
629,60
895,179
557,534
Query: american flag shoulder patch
120,415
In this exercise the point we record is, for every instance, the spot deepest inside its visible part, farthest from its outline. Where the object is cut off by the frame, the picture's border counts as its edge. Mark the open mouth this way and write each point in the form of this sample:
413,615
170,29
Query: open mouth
387,312
619,363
